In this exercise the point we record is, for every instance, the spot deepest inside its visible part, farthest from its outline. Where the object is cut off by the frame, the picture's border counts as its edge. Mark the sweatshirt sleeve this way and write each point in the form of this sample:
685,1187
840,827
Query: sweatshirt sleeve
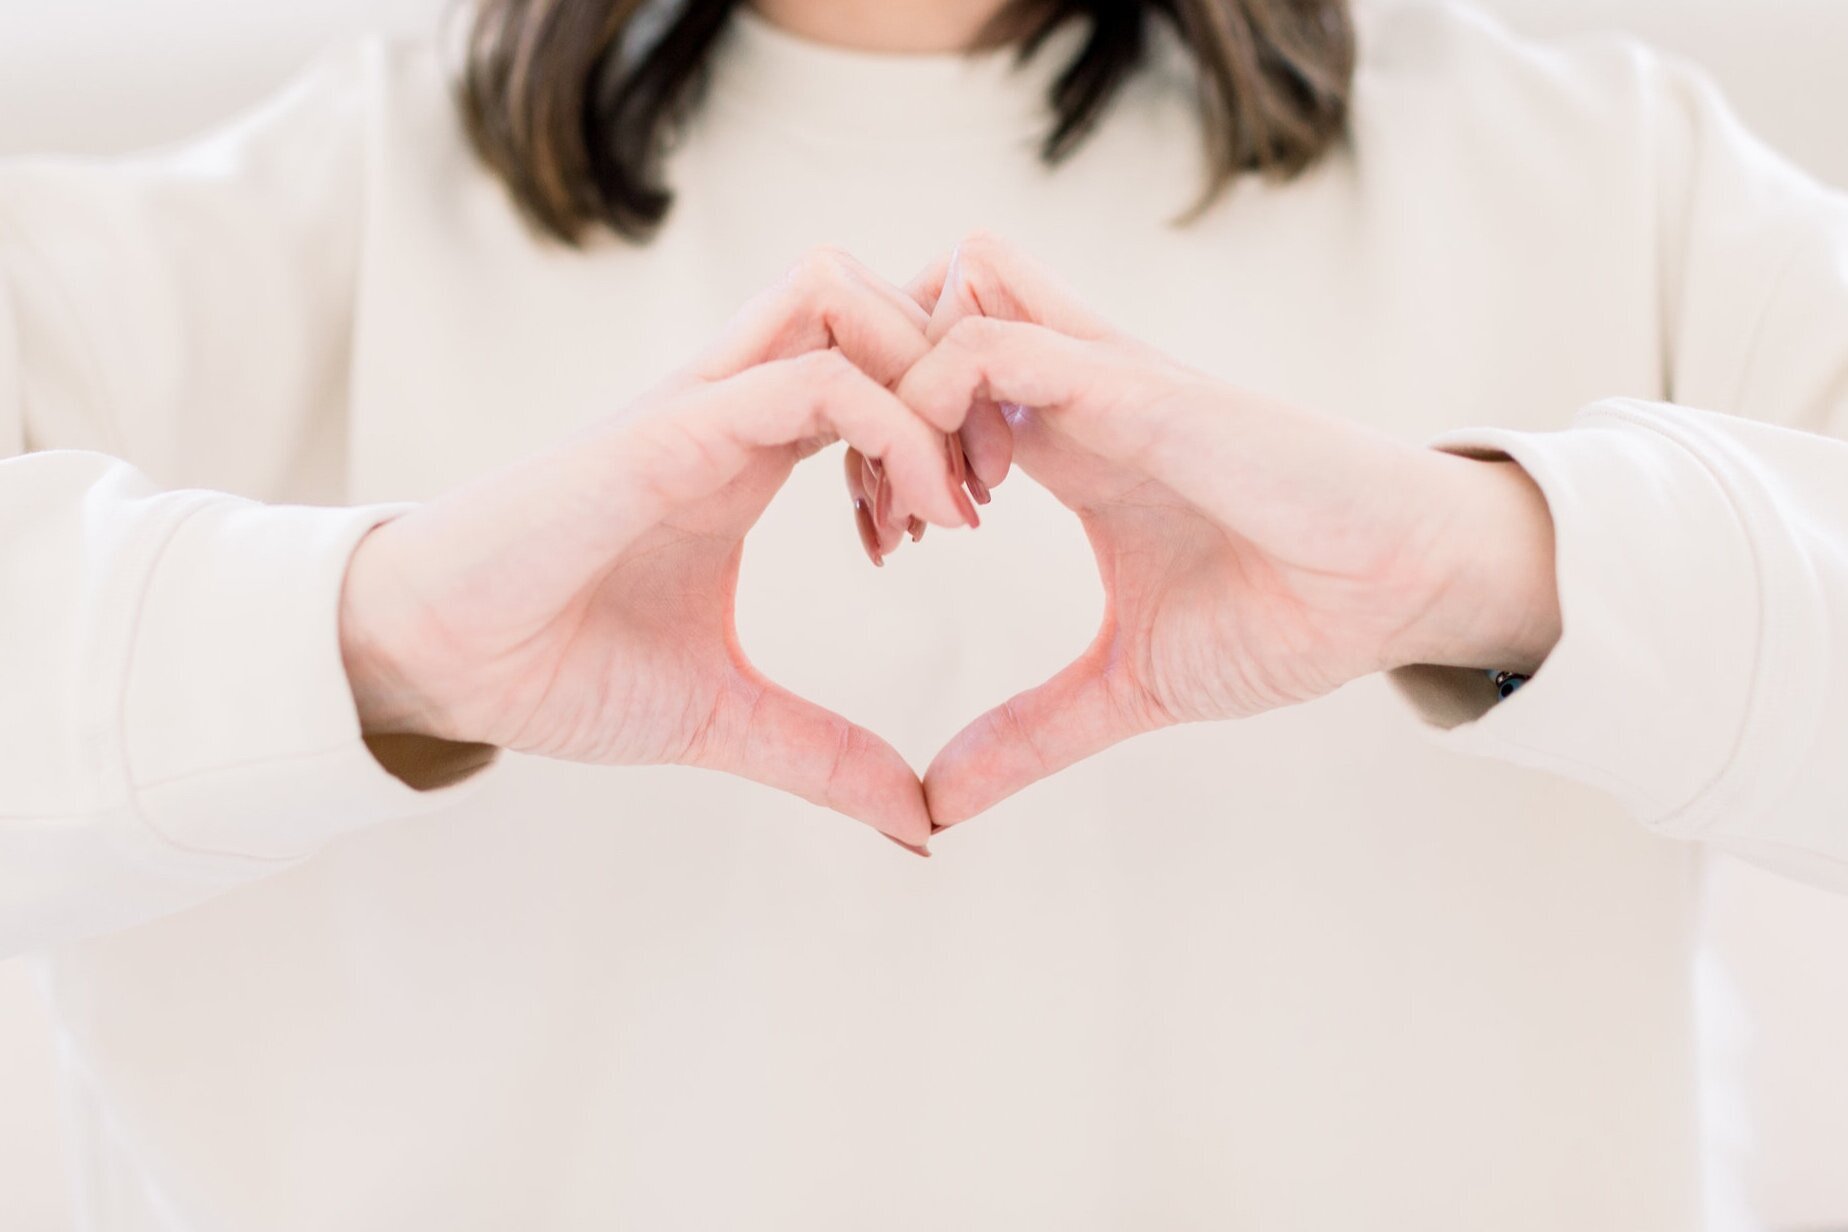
1702,542
175,718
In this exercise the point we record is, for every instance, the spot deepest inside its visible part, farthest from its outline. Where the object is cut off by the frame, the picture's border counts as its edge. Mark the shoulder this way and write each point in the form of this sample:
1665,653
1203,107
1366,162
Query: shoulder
1461,70
1596,125
1430,41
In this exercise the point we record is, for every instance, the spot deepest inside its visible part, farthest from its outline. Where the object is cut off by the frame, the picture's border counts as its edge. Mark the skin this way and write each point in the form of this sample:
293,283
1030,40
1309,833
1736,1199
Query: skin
579,603
1253,555
894,26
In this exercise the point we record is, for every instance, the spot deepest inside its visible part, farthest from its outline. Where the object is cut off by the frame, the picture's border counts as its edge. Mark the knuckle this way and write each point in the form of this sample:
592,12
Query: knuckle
971,334
846,742
980,256
822,271
824,368
981,242
822,377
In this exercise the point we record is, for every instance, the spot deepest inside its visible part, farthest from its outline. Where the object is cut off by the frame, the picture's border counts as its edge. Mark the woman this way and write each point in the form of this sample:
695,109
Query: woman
1315,969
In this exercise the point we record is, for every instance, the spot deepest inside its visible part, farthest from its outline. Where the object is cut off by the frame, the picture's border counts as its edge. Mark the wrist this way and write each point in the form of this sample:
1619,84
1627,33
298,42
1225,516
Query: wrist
1494,599
375,645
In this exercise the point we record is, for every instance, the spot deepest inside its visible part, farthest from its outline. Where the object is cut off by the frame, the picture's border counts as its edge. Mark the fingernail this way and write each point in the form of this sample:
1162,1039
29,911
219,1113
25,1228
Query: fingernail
869,535
978,489
970,516
916,851
882,501
958,461
917,530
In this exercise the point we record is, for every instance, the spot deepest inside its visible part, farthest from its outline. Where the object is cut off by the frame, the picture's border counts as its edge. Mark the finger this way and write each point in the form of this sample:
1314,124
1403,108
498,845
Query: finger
988,442
829,299
992,360
927,288
901,299
770,736
1038,733
817,395
888,527
986,276
862,482
862,507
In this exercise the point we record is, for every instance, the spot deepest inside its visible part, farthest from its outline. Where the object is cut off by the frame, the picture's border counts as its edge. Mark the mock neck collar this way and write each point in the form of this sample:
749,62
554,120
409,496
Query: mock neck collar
836,93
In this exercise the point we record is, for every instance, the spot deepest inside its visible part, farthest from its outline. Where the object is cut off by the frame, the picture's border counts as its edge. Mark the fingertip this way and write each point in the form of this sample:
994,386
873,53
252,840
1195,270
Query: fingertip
988,439
869,534
882,501
927,288
877,786
913,848
855,468
947,787
970,517
891,536
957,457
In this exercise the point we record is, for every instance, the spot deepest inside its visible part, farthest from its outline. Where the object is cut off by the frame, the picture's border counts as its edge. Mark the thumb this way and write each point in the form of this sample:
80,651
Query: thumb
763,732
1076,714
987,277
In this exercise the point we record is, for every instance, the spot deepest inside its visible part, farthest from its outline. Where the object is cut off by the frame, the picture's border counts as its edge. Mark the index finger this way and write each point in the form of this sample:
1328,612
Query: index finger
988,277
828,299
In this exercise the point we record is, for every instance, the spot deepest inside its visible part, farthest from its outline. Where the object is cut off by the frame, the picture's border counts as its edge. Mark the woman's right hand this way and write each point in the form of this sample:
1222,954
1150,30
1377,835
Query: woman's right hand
578,604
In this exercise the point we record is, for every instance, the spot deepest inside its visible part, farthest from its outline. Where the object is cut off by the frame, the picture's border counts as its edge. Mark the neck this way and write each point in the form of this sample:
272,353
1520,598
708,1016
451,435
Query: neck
905,26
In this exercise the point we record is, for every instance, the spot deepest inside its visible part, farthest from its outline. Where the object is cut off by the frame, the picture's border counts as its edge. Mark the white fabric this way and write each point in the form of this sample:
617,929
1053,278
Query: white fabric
1312,971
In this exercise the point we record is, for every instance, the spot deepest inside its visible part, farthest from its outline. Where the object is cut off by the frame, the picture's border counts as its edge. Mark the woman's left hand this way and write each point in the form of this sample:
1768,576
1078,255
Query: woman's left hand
1253,555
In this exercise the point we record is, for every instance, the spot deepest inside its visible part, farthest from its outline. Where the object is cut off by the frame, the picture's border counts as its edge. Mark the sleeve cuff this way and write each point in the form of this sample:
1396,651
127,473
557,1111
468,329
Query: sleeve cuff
240,732
1648,693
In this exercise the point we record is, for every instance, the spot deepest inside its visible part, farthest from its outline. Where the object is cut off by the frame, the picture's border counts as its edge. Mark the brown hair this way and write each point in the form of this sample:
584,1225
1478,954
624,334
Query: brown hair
571,102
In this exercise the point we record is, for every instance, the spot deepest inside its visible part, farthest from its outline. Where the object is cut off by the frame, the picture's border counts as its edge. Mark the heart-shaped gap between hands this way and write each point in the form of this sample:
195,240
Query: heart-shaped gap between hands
579,604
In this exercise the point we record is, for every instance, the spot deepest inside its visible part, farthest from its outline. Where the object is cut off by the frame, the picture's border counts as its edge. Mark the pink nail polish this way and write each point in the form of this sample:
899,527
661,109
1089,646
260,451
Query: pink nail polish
970,516
882,501
869,535
916,851
917,529
978,489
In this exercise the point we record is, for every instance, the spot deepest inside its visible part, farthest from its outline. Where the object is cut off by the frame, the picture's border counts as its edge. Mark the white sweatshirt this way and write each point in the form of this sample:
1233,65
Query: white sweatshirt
1318,970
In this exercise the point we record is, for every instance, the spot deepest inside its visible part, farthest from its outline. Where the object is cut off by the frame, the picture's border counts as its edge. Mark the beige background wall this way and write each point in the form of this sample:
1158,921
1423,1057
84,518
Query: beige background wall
113,74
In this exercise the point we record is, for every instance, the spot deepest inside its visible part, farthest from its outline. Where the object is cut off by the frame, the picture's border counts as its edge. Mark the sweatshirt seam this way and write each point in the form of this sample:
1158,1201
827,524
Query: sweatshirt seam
133,790
1698,801
1480,729
1605,777
248,763
1665,815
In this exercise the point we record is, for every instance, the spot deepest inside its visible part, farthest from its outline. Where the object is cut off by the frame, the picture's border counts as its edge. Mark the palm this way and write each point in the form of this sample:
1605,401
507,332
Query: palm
579,604
1201,622
1252,555
643,666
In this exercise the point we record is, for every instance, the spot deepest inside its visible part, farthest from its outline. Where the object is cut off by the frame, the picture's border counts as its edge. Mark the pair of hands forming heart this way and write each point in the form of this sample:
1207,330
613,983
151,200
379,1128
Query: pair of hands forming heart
579,604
